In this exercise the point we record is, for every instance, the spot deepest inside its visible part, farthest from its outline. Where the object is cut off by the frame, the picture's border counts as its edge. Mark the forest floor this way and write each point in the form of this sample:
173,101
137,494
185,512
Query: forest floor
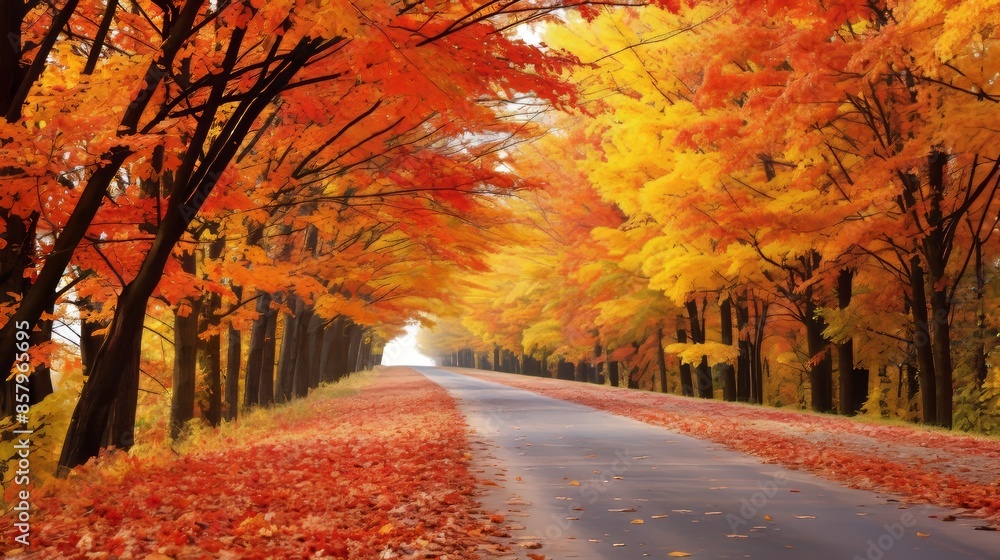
372,467
918,464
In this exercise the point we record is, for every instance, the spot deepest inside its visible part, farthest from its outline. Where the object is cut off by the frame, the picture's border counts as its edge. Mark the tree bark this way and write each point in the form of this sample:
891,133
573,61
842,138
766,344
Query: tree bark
302,375
661,362
234,349
251,394
185,355
354,348
697,326
317,334
90,339
821,368
328,357
613,375
687,383
922,342
743,377
936,248
267,359
289,354
211,363
845,350
728,371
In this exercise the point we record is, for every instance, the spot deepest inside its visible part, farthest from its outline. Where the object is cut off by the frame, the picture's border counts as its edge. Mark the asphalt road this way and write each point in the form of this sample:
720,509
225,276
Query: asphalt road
579,480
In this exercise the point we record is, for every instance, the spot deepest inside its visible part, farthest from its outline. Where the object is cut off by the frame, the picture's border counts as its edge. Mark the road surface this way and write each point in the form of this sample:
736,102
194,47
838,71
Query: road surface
587,484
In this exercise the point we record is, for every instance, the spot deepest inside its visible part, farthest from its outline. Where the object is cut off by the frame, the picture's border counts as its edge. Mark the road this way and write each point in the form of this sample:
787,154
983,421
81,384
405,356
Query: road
587,484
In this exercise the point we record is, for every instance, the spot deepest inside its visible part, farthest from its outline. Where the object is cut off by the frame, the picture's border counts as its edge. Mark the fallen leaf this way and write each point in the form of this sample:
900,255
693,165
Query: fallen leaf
622,510
574,483
678,554
919,534
805,517
637,522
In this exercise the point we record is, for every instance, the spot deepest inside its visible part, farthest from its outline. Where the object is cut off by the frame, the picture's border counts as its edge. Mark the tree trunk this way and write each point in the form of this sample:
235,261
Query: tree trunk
331,337
661,362
922,343
211,362
301,373
354,348
251,395
40,380
114,379
342,349
317,335
267,360
697,326
613,376
728,371
90,339
16,256
936,249
743,377
845,350
980,365
285,382
210,350
820,369
234,349
941,337
185,355
756,354
687,383
12,70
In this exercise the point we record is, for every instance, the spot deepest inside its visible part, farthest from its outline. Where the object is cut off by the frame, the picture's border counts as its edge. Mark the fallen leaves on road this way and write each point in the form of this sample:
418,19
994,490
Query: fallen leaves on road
946,469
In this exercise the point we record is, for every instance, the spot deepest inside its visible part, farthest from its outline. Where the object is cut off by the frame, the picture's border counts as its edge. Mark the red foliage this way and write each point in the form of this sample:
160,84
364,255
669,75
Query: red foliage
382,470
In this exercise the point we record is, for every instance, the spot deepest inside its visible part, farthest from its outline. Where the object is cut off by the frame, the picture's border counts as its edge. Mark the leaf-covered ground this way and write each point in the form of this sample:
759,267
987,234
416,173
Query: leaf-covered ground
945,469
378,473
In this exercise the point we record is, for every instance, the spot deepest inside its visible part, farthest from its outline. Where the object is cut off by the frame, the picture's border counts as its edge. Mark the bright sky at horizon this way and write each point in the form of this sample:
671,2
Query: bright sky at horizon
402,350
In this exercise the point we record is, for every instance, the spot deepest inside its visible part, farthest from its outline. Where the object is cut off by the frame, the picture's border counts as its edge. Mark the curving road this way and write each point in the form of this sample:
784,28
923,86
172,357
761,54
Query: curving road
578,481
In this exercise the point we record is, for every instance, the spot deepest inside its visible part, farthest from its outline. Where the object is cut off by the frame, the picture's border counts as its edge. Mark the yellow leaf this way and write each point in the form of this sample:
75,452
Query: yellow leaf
677,554
386,529
637,522
919,534
574,483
